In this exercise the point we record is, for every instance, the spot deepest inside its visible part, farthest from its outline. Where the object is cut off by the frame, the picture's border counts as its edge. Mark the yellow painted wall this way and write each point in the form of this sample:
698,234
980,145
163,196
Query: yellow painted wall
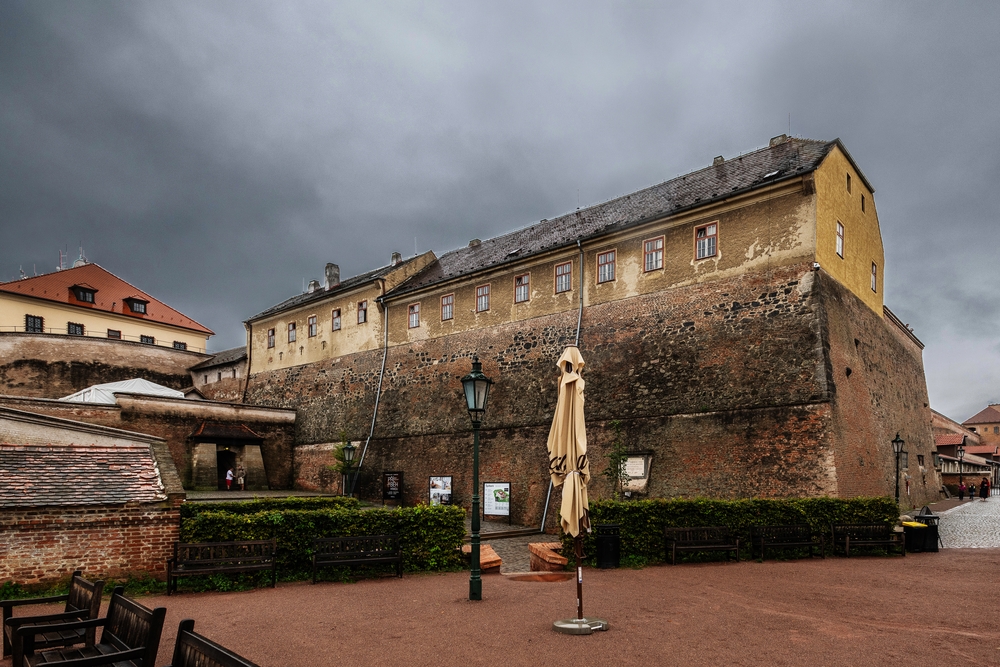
862,236
14,307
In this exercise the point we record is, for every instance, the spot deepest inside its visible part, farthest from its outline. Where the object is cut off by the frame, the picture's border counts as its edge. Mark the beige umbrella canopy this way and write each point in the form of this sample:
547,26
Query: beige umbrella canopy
567,445
570,469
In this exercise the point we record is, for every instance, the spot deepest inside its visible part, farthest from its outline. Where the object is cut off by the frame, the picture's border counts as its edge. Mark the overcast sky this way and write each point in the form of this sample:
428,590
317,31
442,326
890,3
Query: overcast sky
218,154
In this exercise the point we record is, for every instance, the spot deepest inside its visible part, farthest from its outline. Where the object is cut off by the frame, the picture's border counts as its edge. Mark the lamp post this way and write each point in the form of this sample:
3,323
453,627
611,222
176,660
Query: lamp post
477,391
897,447
961,455
349,450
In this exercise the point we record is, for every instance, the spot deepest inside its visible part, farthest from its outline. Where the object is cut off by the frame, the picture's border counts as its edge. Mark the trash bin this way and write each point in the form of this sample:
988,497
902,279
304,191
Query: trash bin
914,534
931,535
609,545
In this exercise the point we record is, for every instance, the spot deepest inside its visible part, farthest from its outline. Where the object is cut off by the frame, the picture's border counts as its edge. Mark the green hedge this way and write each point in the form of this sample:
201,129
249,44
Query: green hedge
430,536
256,505
641,522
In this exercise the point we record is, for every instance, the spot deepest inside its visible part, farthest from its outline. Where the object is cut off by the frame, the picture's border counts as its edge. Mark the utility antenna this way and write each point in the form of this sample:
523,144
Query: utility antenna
414,246
789,123
578,199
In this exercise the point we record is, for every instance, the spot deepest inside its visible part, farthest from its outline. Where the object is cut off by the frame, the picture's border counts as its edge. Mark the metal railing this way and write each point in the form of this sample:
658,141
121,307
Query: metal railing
62,331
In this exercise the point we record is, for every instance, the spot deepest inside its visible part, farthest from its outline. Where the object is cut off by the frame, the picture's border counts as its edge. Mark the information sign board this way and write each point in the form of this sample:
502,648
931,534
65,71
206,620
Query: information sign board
440,490
392,486
496,498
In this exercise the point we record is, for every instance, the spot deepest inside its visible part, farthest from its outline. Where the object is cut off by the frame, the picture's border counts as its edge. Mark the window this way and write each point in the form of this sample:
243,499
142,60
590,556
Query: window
74,329
447,307
206,380
114,334
178,345
335,326
83,294
920,460
522,288
291,332
147,340
996,430
840,240
220,376
862,203
362,312
874,277
564,277
414,315
270,337
653,254
606,266
904,459
705,239
312,326
848,183
137,306
482,298
34,324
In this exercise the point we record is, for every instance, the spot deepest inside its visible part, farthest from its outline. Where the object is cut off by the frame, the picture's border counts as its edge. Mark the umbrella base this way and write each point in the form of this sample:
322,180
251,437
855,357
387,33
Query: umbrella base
579,626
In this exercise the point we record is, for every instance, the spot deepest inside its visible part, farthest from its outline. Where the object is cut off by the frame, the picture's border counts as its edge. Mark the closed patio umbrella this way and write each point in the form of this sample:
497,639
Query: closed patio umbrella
570,469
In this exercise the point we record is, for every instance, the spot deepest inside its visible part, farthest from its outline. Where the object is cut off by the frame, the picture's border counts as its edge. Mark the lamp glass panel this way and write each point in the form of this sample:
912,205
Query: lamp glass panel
470,393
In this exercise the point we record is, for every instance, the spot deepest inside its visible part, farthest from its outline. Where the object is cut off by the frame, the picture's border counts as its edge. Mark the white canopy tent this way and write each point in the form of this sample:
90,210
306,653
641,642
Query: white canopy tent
105,393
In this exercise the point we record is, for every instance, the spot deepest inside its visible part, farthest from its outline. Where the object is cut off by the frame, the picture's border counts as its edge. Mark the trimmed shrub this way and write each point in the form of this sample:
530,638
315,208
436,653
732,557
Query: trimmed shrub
642,522
429,536
256,505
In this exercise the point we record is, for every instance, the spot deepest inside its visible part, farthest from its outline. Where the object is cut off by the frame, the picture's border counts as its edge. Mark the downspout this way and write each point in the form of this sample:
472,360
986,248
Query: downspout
381,375
579,319
246,383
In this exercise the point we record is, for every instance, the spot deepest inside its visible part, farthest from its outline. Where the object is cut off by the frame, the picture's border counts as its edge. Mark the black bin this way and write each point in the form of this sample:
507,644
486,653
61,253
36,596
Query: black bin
931,535
915,537
609,545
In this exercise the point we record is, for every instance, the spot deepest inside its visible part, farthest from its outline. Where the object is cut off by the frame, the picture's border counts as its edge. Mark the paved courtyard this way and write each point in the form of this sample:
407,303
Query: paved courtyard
972,525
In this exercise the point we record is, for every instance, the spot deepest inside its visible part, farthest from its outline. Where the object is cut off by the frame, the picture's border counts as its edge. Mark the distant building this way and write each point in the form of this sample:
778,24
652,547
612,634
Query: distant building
986,423
222,377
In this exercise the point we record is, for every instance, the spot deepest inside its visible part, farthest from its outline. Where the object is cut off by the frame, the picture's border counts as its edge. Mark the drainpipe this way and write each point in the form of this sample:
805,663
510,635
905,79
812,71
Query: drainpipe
246,382
381,375
579,319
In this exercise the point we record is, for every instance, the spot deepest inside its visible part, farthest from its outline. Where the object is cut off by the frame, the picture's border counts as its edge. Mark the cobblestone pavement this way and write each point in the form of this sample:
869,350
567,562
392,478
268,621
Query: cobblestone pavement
972,525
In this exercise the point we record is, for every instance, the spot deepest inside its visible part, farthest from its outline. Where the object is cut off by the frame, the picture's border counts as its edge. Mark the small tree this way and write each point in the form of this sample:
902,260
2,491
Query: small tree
617,457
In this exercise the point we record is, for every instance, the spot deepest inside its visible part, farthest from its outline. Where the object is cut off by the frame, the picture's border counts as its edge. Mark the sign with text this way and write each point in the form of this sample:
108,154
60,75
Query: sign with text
440,490
392,486
635,466
496,498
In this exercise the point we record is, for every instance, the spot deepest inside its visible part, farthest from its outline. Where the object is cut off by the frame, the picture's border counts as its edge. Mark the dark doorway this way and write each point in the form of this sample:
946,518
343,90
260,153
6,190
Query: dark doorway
226,460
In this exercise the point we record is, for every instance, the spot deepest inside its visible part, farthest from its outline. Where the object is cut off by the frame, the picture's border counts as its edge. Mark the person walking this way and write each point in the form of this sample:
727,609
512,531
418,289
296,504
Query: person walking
984,489
241,477
961,492
229,480
972,491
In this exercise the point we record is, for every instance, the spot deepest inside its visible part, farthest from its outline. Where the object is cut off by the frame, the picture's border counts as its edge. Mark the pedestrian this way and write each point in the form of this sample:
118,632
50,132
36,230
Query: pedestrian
984,489
961,492
229,480
972,491
241,477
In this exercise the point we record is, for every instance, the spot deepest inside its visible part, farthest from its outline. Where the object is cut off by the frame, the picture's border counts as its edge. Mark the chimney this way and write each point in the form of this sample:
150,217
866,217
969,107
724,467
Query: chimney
332,275
718,160
313,286
396,258
780,139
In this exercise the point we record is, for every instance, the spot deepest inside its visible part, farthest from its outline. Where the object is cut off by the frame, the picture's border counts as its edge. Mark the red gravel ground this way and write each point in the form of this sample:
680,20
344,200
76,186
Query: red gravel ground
925,609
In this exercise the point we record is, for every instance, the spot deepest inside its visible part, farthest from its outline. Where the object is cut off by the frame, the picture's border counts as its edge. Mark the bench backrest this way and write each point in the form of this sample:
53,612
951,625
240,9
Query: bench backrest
194,650
698,535
84,595
333,547
131,626
799,532
219,553
862,531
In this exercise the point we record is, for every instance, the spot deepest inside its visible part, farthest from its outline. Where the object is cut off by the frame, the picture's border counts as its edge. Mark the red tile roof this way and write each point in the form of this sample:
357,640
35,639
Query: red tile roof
111,292
949,439
988,415
47,475
981,449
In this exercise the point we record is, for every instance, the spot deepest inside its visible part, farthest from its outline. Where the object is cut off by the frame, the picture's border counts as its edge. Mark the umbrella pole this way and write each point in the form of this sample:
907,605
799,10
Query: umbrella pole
578,540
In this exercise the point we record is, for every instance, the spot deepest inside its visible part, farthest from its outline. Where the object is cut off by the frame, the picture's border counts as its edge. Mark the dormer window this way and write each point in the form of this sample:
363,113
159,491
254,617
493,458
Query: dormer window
84,293
137,306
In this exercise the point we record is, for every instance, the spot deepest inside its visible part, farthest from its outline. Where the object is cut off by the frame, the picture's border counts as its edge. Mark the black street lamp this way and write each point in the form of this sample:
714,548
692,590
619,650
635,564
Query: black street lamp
897,447
961,455
477,391
349,450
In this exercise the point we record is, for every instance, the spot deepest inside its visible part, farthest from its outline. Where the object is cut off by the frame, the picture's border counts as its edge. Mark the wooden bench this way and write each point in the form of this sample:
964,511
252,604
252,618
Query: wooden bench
489,560
130,638
796,536
702,538
545,557
194,650
82,602
195,559
846,536
364,550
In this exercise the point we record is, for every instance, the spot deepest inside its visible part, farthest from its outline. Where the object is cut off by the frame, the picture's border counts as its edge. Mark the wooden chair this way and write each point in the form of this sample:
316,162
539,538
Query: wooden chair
130,638
194,650
82,602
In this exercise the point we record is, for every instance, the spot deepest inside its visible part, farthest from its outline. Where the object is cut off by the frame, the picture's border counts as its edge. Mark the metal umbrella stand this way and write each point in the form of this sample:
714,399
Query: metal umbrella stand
570,469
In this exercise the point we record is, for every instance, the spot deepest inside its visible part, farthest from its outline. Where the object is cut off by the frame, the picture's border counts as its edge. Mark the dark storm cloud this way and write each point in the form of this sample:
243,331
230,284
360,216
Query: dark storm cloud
218,154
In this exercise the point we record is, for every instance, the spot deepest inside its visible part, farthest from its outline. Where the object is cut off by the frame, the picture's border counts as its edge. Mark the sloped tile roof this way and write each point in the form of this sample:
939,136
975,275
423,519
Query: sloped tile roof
949,439
229,356
981,449
111,291
49,475
989,415
789,159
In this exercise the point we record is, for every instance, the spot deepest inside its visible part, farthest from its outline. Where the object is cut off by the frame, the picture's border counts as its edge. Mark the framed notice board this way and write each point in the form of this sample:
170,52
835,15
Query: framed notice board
496,499
440,490
392,487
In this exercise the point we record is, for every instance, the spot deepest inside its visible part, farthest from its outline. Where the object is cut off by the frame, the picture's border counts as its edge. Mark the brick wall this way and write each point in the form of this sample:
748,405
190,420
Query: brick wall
47,544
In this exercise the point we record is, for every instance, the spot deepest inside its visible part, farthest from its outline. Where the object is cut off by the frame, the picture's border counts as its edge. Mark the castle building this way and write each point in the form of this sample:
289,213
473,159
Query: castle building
732,320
